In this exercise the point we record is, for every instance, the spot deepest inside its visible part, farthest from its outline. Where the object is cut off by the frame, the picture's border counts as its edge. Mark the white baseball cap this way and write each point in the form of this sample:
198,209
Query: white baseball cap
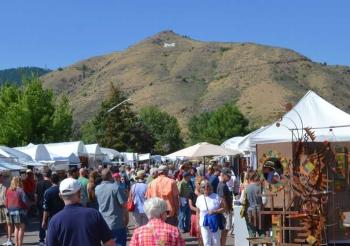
69,186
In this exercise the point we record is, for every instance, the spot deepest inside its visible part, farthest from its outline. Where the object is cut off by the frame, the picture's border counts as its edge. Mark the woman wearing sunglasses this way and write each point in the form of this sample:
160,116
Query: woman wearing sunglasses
210,207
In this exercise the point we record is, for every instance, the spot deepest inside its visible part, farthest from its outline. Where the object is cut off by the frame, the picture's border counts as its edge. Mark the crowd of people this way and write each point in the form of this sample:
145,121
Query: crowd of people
90,207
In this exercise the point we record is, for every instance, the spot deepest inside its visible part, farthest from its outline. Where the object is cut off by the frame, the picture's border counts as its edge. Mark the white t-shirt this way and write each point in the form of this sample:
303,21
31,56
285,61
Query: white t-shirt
213,202
231,183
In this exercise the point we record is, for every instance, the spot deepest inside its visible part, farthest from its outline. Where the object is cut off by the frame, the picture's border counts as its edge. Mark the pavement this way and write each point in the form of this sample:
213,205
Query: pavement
31,235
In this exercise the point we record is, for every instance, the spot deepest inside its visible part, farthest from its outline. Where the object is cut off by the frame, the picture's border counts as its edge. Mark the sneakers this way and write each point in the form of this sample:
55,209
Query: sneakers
8,243
42,243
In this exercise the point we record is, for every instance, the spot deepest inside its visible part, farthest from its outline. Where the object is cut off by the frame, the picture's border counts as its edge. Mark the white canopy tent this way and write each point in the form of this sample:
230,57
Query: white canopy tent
242,144
96,156
66,149
158,158
71,159
110,153
232,143
144,157
36,152
94,149
7,165
18,157
203,149
327,121
130,158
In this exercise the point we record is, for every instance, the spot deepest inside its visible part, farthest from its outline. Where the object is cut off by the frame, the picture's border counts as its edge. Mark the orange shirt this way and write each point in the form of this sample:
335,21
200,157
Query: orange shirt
165,188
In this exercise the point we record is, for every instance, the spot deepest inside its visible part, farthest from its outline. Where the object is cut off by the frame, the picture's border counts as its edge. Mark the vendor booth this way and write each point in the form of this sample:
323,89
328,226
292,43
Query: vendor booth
36,152
68,153
96,156
18,157
110,154
304,161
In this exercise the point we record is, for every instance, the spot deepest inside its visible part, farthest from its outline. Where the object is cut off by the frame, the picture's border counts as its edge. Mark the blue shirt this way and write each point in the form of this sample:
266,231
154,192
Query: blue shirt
52,202
76,225
214,181
111,198
138,191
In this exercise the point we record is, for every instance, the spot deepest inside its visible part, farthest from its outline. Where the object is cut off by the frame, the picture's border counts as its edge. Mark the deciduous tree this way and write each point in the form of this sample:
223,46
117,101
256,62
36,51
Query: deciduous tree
164,128
218,126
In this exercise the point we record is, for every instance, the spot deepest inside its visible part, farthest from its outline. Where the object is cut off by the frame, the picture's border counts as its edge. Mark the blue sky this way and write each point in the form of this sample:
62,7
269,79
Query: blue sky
53,34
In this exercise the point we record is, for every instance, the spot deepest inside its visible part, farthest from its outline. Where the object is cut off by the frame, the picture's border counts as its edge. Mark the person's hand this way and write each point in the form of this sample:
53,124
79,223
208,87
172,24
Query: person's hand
211,212
44,225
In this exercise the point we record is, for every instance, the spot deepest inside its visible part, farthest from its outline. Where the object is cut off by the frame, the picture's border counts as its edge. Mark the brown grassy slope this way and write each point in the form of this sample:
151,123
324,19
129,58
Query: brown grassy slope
194,76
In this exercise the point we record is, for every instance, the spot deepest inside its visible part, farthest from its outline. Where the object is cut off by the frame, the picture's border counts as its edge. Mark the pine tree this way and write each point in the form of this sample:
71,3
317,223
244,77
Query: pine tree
120,129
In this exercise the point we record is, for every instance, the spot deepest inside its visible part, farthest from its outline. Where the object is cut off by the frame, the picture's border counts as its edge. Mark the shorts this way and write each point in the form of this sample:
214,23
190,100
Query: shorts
228,220
16,217
3,217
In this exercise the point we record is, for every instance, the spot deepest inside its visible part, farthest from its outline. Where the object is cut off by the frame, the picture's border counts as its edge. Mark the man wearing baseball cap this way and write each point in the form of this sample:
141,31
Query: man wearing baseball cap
75,224
227,198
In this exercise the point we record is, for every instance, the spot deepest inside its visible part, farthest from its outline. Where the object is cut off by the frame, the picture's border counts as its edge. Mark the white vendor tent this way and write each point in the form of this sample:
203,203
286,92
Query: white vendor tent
94,149
203,149
232,143
96,156
17,156
36,152
7,165
111,153
65,149
327,121
158,159
130,158
243,144
70,159
144,157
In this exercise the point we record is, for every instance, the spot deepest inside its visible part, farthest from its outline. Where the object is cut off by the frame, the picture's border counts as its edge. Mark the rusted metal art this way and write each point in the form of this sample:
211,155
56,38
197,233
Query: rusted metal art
303,217
310,187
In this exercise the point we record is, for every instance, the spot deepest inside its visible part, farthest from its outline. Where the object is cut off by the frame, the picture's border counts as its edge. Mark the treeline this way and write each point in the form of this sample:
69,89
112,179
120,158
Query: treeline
32,114
16,75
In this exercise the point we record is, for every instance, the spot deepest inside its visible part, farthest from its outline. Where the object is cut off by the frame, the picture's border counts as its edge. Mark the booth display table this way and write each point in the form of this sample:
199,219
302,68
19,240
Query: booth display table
259,241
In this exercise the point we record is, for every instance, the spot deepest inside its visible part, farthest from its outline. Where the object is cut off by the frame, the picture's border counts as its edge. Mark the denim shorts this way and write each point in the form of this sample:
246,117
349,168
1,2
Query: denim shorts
17,217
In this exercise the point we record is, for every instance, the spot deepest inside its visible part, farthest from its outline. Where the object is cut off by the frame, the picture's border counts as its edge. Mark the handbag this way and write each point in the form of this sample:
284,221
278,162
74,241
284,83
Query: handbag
130,205
220,218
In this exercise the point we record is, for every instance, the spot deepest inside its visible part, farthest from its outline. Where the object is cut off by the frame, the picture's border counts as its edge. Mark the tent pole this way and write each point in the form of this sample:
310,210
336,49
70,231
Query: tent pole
204,166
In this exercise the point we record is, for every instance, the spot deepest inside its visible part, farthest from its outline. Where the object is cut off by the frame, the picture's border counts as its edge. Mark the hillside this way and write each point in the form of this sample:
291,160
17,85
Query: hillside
184,77
15,75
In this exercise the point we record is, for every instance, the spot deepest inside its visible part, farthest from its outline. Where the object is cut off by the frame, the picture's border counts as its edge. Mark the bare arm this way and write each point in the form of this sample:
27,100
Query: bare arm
192,206
109,243
224,204
220,210
44,223
176,198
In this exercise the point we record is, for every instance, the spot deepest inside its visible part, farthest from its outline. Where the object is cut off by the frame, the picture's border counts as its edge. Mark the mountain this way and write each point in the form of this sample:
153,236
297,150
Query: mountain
15,75
184,77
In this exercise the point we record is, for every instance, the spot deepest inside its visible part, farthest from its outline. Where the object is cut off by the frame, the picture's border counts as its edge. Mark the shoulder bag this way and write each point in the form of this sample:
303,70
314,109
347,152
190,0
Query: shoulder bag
130,205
